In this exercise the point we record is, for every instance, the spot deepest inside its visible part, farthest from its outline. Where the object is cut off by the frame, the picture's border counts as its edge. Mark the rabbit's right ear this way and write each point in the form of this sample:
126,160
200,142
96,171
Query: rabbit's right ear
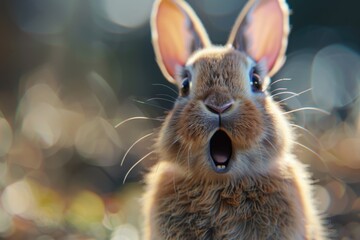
261,31
176,33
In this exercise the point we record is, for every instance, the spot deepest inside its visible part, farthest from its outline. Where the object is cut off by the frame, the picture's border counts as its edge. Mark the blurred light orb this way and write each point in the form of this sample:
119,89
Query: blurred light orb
350,152
38,93
113,220
98,141
125,232
101,87
43,125
86,209
104,93
339,197
322,196
335,76
337,188
6,137
356,205
5,223
49,206
125,13
42,17
3,172
17,198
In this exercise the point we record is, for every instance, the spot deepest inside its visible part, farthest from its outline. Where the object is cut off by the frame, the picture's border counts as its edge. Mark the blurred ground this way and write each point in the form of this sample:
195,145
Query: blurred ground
71,70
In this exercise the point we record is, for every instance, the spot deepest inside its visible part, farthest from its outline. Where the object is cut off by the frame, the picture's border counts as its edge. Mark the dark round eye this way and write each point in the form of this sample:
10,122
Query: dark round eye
255,82
185,85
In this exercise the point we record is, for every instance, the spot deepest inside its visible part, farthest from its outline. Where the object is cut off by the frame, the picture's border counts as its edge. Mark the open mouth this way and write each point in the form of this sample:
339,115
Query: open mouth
220,151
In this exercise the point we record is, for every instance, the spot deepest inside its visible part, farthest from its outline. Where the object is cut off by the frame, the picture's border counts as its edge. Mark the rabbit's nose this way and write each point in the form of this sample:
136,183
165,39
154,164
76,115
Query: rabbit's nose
218,108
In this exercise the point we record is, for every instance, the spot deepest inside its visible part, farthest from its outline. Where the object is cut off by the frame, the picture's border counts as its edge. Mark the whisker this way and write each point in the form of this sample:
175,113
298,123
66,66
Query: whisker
281,93
163,85
176,159
135,164
132,145
307,131
157,168
260,146
176,140
308,108
309,149
278,89
167,95
174,184
188,157
297,94
180,151
272,145
137,118
280,80
153,105
158,98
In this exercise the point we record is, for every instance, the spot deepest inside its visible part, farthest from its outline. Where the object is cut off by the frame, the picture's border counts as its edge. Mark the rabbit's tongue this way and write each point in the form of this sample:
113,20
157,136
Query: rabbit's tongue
220,157
220,147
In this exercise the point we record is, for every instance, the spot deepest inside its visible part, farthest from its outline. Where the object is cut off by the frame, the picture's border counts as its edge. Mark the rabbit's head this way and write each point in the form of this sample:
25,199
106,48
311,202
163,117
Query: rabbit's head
224,123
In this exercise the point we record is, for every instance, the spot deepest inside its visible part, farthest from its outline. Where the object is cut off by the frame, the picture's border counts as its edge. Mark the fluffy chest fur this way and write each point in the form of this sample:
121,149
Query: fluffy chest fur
263,207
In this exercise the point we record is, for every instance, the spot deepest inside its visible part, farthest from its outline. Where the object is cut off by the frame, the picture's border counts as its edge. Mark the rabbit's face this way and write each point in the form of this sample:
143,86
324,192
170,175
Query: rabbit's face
224,123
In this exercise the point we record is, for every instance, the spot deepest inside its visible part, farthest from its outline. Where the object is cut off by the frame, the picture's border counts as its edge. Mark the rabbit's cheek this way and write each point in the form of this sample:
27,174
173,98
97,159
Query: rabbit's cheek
195,125
245,125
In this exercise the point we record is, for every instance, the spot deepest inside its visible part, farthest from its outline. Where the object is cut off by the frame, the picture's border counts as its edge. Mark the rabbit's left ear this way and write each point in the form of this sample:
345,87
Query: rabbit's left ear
176,33
261,31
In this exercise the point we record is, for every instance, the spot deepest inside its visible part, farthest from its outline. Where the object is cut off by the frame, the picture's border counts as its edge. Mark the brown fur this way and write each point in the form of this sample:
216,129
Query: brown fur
266,192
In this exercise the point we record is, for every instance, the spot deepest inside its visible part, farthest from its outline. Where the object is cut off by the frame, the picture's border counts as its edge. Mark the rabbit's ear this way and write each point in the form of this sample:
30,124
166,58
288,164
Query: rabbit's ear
176,34
262,30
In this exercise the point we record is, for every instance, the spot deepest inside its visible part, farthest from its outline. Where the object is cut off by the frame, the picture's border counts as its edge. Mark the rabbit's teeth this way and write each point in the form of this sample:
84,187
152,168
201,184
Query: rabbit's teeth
221,166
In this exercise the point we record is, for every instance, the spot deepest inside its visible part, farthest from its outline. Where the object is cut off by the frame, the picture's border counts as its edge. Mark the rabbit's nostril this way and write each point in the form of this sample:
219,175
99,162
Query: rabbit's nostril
218,109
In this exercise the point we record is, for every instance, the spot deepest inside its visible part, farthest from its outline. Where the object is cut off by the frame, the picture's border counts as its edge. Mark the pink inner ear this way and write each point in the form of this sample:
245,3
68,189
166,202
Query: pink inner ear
266,32
173,36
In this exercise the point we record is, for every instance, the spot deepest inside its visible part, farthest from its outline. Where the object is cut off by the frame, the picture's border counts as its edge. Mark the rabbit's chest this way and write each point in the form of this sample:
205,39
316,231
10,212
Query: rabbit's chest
218,212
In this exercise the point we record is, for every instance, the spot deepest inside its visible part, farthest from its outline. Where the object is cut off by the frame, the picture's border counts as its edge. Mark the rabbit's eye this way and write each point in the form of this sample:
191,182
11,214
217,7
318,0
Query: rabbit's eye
255,81
185,85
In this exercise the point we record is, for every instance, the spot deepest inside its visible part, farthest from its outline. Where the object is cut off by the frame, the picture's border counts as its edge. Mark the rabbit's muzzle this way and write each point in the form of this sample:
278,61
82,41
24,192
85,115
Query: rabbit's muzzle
220,143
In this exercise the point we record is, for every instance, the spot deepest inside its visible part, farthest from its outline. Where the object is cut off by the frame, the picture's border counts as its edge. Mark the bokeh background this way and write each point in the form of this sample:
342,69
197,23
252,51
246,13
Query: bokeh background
71,70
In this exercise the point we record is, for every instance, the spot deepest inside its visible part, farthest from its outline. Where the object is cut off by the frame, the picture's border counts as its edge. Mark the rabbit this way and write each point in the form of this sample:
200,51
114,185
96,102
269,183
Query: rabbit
225,168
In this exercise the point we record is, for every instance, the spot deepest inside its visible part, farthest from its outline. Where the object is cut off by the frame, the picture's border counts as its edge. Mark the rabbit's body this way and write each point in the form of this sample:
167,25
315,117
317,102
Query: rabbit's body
225,166
272,206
